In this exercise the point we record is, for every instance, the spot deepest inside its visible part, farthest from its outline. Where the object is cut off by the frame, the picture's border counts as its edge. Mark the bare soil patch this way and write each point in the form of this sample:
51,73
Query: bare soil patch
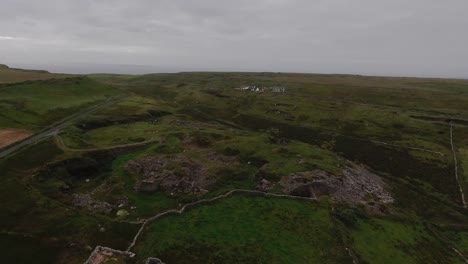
9,136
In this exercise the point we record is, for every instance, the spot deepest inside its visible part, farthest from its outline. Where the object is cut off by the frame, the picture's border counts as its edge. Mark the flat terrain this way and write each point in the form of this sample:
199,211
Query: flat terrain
336,169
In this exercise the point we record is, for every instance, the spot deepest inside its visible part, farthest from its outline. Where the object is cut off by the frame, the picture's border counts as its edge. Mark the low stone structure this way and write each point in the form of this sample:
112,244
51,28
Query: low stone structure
102,255
264,185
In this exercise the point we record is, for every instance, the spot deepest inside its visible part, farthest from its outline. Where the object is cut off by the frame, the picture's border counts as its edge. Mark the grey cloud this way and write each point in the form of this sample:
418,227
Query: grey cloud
386,37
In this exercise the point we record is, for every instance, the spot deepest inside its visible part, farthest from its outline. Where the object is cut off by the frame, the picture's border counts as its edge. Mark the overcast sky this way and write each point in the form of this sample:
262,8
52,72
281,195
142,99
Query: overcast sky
374,37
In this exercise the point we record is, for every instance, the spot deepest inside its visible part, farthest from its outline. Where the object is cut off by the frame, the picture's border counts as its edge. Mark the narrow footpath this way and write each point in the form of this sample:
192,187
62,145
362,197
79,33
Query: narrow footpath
456,166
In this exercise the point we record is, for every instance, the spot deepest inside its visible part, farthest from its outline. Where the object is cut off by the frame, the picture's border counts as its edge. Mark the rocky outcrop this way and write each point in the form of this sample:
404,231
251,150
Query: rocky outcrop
87,202
354,185
102,255
264,185
172,174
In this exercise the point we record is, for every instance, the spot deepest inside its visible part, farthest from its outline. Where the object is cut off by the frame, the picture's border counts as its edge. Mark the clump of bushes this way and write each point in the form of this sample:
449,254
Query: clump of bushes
136,139
348,215
93,123
228,151
158,113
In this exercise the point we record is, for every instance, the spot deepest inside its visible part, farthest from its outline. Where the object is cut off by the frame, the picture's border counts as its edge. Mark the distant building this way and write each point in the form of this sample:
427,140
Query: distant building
278,89
253,88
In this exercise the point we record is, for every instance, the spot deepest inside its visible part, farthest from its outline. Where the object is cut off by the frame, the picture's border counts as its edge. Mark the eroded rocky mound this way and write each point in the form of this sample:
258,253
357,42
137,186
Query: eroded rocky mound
354,185
172,174
87,202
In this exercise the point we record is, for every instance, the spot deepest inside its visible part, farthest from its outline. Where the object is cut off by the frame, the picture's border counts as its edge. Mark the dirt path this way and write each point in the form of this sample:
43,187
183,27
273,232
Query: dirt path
460,254
182,210
456,166
59,142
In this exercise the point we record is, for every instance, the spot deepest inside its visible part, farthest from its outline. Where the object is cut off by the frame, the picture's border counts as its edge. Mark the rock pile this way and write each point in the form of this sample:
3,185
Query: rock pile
354,185
102,255
264,185
173,174
87,202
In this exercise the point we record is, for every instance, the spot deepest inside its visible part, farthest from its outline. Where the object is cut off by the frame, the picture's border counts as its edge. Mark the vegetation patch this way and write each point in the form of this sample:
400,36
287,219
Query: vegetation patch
246,229
386,241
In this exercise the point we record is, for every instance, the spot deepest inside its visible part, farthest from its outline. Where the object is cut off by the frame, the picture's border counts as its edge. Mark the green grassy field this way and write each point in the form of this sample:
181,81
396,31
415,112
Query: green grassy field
464,156
246,230
387,241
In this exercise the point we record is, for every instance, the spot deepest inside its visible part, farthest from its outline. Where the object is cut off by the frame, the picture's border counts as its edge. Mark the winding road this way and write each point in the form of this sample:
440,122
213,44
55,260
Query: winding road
54,128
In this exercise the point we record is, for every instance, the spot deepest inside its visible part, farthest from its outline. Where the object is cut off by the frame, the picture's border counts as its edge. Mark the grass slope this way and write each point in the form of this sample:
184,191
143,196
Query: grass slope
33,105
11,75
246,230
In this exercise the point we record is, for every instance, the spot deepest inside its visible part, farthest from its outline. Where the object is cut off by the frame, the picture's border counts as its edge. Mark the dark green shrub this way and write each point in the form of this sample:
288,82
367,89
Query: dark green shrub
231,151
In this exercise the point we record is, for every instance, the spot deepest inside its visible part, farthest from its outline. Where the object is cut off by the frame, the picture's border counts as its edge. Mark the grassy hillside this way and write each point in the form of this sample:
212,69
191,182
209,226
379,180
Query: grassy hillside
35,104
12,75
247,230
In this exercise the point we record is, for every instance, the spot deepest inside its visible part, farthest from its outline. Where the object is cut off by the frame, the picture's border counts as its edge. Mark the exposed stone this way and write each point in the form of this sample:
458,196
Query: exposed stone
102,255
264,185
213,156
87,202
121,203
354,185
175,175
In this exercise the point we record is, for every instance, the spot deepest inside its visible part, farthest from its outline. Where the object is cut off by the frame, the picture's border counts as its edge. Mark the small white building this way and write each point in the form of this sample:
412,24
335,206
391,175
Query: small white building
278,89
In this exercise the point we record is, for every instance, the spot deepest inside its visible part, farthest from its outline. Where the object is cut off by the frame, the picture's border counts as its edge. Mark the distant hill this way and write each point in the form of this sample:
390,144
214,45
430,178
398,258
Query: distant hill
33,105
12,75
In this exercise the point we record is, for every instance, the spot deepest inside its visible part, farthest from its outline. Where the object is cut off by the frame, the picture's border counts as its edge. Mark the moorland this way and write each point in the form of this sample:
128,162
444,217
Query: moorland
192,168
